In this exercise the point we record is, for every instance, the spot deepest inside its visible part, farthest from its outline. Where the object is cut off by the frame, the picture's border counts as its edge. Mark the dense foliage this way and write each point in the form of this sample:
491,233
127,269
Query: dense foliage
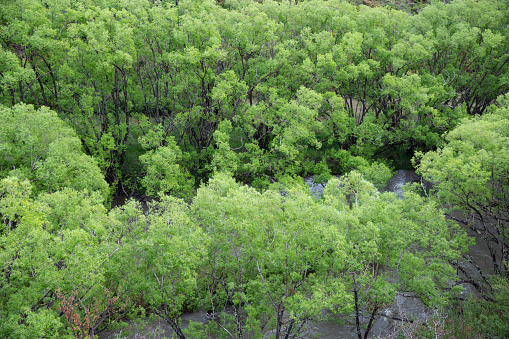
187,102
471,175
290,88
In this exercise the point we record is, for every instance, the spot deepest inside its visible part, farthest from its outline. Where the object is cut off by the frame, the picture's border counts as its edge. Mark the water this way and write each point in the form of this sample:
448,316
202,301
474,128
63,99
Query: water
153,329
395,184
159,329
403,177
316,188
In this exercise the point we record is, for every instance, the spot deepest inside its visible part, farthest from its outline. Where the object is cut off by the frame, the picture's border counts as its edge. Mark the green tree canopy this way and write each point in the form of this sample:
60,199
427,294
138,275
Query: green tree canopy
39,146
471,175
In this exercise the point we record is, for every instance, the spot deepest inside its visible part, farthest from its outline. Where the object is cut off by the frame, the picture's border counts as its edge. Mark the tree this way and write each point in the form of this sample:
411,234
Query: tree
280,257
24,279
271,257
392,246
54,264
39,146
471,176
56,233
163,250
468,49
163,170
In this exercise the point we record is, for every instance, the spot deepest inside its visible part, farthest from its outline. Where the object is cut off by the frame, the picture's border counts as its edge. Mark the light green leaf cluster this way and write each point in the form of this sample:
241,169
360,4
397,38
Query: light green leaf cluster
162,252
56,236
470,175
224,158
164,174
283,251
38,146
395,245
47,245
279,248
